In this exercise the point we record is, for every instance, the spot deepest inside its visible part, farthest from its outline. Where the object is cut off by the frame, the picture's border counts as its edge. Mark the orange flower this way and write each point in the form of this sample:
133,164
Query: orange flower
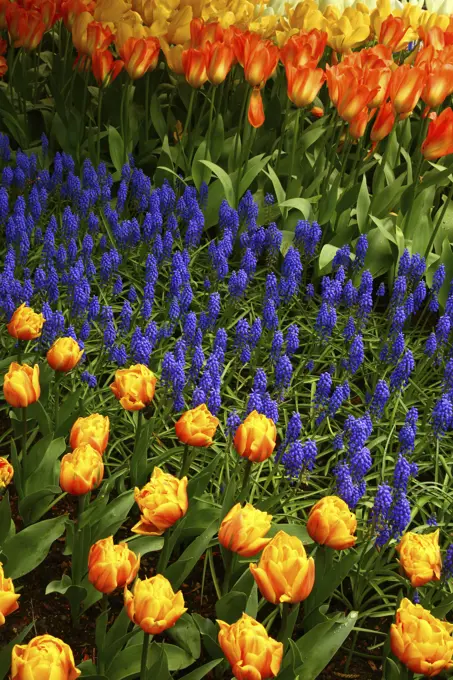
347,91
255,112
25,324
6,473
439,140
140,55
162,502
251,653
70,9
405,88
3,66
92,430
134,387
439,84
420,557
194,63
25,26
377,79
304,84
111,566
383,124
202,33
89,36
434,37
255,437
43,657
392,32
357,125
81,471
8,598
64,355
331,523
243,529
219,58
48,11
21,385
197,426
153,605
260,59
105,67
4,4
304,49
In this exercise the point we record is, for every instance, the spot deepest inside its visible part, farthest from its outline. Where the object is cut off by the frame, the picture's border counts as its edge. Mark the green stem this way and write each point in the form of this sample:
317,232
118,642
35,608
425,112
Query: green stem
185,460
245,481
242,155
77,559
147,79
228,561
101,652
57,399
164,554
98,148
143,670
380,170
211,112
284,622
189,115
83,115
293,151
439,222
240,126
282,135
24,435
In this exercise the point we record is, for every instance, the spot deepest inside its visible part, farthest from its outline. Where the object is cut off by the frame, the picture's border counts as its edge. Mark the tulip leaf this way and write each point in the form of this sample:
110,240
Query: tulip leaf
36,504
278,188
27,549
186,634
198,483
5,653
42,470
157,117
225,180
68,407
300,204
113,516
209,632
328,206
5,517
252,601
363,205
142,545
159,664
298,530
201,174
177,658
254,167
116,148
201,672
178,571
218,136
231,606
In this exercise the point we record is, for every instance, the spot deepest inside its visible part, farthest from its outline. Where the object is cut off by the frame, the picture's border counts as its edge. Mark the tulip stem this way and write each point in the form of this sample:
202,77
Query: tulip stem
164,553
57,399
211,112
98,145
439,222
24,435
143,668
185,458
293,156
245,481
228,561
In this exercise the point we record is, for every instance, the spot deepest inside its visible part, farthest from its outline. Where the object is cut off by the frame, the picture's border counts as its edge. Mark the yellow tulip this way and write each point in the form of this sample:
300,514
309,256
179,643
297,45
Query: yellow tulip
331,523
8,598
44,657
243,528
153,605
162,502
348,32
420,557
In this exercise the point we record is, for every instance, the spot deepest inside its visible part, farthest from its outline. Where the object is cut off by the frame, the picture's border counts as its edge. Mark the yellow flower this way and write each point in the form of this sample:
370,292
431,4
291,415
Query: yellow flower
44,657
242,530
331,523
25,324
111,11
348,32
162,502
153,605
420,557
8,598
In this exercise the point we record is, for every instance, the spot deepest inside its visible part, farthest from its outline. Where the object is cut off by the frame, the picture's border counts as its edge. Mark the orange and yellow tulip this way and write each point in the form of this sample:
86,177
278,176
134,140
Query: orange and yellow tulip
64,355
405,88
81,471
255,113
439,140
258,57
162,502
44,656
111,566
393,30
105,67
305,49
8,598
243,529
383,123
26,27
93,430
140,55
153,605
304,84
25,324
197,427
219,58
194,63
134,387
6,472
255,438
331,523
419,556
90,36
21,385
439,84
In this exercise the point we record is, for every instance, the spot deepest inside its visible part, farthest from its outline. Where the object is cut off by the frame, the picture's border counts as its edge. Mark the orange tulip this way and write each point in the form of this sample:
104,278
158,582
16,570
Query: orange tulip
357,125
3,66
90,36
219,58
255,112
331,523
420,557
81,471
25,26
44,657
405,88
197,426
140,55
304,49
304,84
434,37
439,140
422,642
92,430
8,598
134,387
70,9
25,324
202,33
439,84
162,502
351,94
4,4
48,11
21,385
393,30
64,355
243,528
105,67
6,473
377,79
194,63
251,653
383,123
153,605
111,566
260,60
255,438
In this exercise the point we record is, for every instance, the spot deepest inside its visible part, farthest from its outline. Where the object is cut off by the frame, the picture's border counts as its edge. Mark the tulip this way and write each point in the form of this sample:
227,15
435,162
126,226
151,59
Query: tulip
331,523
251,653
134,387
304,84
8,598
383,123
6,473
105,67
255,113
405,88
64,354
25,26
422,642
111,566
219,58
377,79
304,49
284,572
439,140
140,55
25,324
162,502
3,66
153,605
439,84
70,10
197,426
392,33
4,4
348,32
21,385
202,33
420,557
194,63
258,57
43,657
357,125
255,437
81,471
243,529
350,93
92,430
90,36
173,57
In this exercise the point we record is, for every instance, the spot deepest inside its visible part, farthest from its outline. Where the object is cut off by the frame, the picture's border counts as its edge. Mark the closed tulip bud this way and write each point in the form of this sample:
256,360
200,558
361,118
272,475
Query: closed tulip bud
21,385
25,324
93,430
64,355
44,658
284,572
81,471
439,84
8,598
393,30
439,140
420,641
194,63
173,56
405,88
331,523
25,26
304,84
153,605
6,473
357,125
134,387
251,653
111,566
255,438
420,557
162,502
377,79
255,113
140,55
383,123
260,62
105,67
243,529
219,57
197,426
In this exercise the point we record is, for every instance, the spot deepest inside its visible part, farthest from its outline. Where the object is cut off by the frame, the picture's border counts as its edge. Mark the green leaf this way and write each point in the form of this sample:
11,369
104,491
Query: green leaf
225,180
348,198
326,256
391,670
116,148
199,173
36,504
446,258
252,601
198,483
201,672
209,633
178,571
159,663
231,606
117,631
382,258
27,549
329,575
363,205
386,199
254,167
327,208
217,139
5,653
300,204
177,658
69,404
113,517
157,118
44,469
142,545
5,517
279,190
186,634
299,530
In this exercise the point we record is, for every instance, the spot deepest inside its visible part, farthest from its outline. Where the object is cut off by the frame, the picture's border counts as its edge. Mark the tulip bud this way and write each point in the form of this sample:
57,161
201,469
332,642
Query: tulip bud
153,605
242,530
92,430
357,125
393,30
420,557
140,55
105,67
64,355
134,387
439,84
260,61
21,385
420,641
304,84
8,598
383,123
219,59
162,502
439,140
6,473
43,657
194,64
25,324
284,572
197,426
81,471
251,653
111,566
405,88
331,523
255,112
255,438
25,26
